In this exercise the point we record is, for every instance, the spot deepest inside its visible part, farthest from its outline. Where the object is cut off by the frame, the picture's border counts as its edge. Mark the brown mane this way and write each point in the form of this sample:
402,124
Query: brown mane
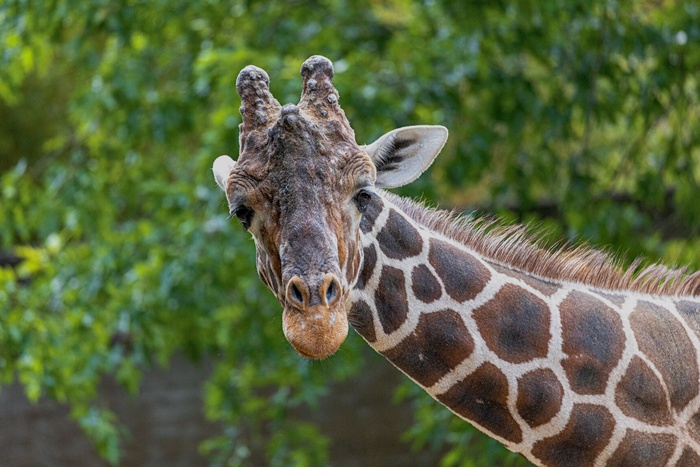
517,247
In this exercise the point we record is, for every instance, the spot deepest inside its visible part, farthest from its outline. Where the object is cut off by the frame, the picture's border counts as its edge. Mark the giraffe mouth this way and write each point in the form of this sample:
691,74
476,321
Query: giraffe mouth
316,333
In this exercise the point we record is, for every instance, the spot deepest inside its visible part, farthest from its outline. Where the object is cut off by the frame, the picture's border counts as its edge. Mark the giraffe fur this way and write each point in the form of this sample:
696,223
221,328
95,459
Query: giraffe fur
543,396
560,355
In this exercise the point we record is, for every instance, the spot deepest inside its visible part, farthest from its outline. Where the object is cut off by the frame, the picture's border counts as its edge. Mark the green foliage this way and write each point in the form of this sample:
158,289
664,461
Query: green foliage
580,115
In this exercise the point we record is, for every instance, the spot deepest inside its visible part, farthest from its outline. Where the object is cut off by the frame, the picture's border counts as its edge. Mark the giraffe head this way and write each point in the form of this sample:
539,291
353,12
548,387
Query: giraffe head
300,186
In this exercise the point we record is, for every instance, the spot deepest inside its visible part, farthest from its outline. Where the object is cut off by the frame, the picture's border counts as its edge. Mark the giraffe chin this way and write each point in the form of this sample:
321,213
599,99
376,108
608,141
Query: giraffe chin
317,332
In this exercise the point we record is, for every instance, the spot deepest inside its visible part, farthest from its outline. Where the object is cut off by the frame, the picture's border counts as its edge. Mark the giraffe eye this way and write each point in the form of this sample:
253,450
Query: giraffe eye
362,199
244,214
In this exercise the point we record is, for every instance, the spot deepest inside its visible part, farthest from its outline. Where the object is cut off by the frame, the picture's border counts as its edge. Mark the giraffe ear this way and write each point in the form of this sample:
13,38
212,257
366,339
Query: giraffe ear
222,169
401,155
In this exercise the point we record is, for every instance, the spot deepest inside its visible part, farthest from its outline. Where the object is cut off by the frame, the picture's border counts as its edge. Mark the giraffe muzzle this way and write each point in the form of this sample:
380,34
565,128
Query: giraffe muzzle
302,296
315,322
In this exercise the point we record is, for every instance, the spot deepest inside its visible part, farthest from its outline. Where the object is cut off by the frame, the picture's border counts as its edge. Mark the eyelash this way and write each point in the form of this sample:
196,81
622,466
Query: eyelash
244,215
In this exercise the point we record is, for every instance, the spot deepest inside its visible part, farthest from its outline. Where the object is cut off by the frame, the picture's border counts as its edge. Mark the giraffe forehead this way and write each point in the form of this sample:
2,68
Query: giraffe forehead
298,136
300,176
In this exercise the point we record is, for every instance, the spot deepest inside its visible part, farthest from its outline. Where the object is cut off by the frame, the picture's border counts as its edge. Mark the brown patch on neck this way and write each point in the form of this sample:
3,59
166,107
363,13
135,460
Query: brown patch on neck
639,394
398,239
482,397
644,449
515,324
369,217
691,313
584,437
664,341
360,317
462,275
391,299
425,286
369,263
689,458
694,425
539,396
440,342
593,341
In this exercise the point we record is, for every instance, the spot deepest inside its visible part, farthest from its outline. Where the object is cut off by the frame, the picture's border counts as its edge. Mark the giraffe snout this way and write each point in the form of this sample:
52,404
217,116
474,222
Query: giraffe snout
302,295
314,319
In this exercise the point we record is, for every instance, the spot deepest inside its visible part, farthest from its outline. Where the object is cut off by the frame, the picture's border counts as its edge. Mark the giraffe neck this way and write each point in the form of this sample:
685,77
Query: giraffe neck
560,372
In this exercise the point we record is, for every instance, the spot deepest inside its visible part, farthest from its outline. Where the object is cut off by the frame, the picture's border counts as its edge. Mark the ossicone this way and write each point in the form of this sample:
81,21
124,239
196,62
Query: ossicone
259,108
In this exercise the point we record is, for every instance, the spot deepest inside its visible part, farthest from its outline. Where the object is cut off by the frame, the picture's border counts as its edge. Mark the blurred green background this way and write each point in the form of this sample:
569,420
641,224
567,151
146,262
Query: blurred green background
580,116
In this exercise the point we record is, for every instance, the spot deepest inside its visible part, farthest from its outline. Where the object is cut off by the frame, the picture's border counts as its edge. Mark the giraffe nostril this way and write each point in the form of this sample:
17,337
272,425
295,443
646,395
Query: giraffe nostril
296,293
331,292
330,289
300,296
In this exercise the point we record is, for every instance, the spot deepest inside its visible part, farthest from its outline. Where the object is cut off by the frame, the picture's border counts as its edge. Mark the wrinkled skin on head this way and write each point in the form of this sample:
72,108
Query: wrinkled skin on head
305,226
298,188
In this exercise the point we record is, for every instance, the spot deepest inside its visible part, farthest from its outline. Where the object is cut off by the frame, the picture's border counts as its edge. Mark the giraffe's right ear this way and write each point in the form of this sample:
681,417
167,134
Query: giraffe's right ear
401,155
222,169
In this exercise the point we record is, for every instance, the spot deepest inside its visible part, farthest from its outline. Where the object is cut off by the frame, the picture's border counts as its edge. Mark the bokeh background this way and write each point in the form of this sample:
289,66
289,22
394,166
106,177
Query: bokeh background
116,259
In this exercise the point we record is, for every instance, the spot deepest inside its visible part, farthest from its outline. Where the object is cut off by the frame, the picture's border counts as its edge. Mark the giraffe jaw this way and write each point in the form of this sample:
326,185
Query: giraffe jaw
318,332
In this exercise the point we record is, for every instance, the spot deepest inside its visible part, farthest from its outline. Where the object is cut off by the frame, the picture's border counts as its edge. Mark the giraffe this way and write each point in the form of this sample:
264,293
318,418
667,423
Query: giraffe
557,354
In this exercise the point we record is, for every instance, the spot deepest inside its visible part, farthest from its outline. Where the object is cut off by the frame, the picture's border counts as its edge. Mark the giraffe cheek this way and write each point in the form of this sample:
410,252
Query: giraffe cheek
316,333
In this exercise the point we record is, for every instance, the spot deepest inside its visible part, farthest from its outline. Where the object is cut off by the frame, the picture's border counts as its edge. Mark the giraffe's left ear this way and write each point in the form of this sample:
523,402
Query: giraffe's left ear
401,155
222,169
